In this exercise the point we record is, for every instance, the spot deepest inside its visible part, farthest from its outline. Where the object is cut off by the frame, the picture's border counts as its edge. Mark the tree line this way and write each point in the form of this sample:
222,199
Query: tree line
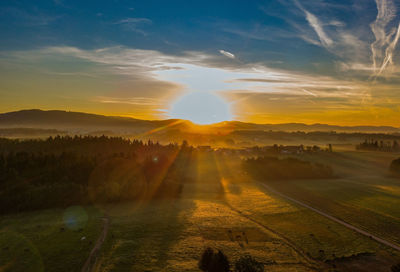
274,168
375,145
64,171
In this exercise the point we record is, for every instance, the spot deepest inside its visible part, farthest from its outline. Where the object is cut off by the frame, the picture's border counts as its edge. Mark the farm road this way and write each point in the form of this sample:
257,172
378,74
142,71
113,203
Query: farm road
91,260
347,225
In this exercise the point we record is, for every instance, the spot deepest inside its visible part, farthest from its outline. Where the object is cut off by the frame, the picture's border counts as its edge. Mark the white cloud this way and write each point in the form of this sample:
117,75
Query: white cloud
354,66
227,54
151,80
316,25
337,23
383,46
189,70
389,52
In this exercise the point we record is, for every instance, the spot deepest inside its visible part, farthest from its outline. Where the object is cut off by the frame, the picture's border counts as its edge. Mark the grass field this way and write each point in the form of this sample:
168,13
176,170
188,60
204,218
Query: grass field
48,240
364,194
223,208
170,235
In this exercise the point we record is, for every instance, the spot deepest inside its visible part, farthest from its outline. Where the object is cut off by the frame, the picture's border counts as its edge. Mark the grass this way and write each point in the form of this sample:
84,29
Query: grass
42,241
170,235
364,195
223,208
320,238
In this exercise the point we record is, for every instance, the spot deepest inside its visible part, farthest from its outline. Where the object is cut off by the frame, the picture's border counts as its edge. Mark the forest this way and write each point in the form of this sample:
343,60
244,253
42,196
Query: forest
273,168
62,171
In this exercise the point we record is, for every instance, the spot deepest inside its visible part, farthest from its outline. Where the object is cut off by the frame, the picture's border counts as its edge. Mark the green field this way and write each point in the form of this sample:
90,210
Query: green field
364,194
48,240
223,208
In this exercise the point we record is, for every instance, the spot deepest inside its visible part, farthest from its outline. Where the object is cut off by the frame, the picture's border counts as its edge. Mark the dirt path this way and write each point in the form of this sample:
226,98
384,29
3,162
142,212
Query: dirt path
91,260
347,225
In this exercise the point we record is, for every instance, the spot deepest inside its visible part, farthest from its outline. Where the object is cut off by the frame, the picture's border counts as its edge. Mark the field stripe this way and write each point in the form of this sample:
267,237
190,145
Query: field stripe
312,262
347,225
91,260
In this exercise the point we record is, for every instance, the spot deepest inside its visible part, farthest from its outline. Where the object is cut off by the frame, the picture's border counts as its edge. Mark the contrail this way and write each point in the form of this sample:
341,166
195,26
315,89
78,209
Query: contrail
389,51
386,13
316,25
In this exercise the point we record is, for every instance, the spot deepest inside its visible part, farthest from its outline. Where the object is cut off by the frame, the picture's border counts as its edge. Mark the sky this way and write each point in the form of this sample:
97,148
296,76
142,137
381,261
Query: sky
284,61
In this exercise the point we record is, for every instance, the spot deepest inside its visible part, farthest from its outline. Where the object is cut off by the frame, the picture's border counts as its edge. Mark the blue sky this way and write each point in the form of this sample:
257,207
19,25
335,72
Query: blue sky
255,30
320,61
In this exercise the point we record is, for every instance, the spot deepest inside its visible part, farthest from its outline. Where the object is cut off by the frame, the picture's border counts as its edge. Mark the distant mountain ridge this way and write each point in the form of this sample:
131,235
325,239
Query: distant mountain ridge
312,127
58,119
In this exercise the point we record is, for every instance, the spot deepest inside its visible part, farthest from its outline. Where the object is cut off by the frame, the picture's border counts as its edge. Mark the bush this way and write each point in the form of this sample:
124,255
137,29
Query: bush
214,262
206,259
395,166
396,268
248,264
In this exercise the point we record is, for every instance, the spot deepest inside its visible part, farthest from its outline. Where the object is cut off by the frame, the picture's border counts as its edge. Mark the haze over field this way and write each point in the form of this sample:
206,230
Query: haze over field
214,136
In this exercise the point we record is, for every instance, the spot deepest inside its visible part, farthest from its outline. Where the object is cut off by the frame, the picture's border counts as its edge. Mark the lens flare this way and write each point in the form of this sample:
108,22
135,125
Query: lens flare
75,217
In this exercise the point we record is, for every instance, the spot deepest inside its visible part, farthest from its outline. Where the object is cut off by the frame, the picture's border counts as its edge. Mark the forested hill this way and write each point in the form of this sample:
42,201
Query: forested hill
56,119
66,120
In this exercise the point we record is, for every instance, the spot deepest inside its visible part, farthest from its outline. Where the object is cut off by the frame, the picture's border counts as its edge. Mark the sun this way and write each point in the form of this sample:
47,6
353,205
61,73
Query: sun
201,108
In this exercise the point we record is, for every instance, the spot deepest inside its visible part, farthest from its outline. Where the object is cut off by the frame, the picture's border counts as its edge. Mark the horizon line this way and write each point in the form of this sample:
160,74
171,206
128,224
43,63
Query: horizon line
227,121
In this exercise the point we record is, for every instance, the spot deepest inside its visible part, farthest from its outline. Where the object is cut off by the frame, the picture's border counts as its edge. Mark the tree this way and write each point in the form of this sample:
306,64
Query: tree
185,144
206,259
395,166
395,145
214,262
221,263
248,264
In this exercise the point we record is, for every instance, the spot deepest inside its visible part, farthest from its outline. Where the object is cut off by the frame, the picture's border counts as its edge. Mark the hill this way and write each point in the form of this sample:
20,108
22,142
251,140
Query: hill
85,122
57,119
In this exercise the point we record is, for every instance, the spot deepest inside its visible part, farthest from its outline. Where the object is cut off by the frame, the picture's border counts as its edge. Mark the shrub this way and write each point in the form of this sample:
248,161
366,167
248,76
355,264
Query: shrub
248,264
206,259
214,262
395,166
396,268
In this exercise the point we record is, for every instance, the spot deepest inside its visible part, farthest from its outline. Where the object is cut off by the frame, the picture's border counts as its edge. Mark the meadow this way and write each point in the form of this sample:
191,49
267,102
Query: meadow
48,240
222,207
364,194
